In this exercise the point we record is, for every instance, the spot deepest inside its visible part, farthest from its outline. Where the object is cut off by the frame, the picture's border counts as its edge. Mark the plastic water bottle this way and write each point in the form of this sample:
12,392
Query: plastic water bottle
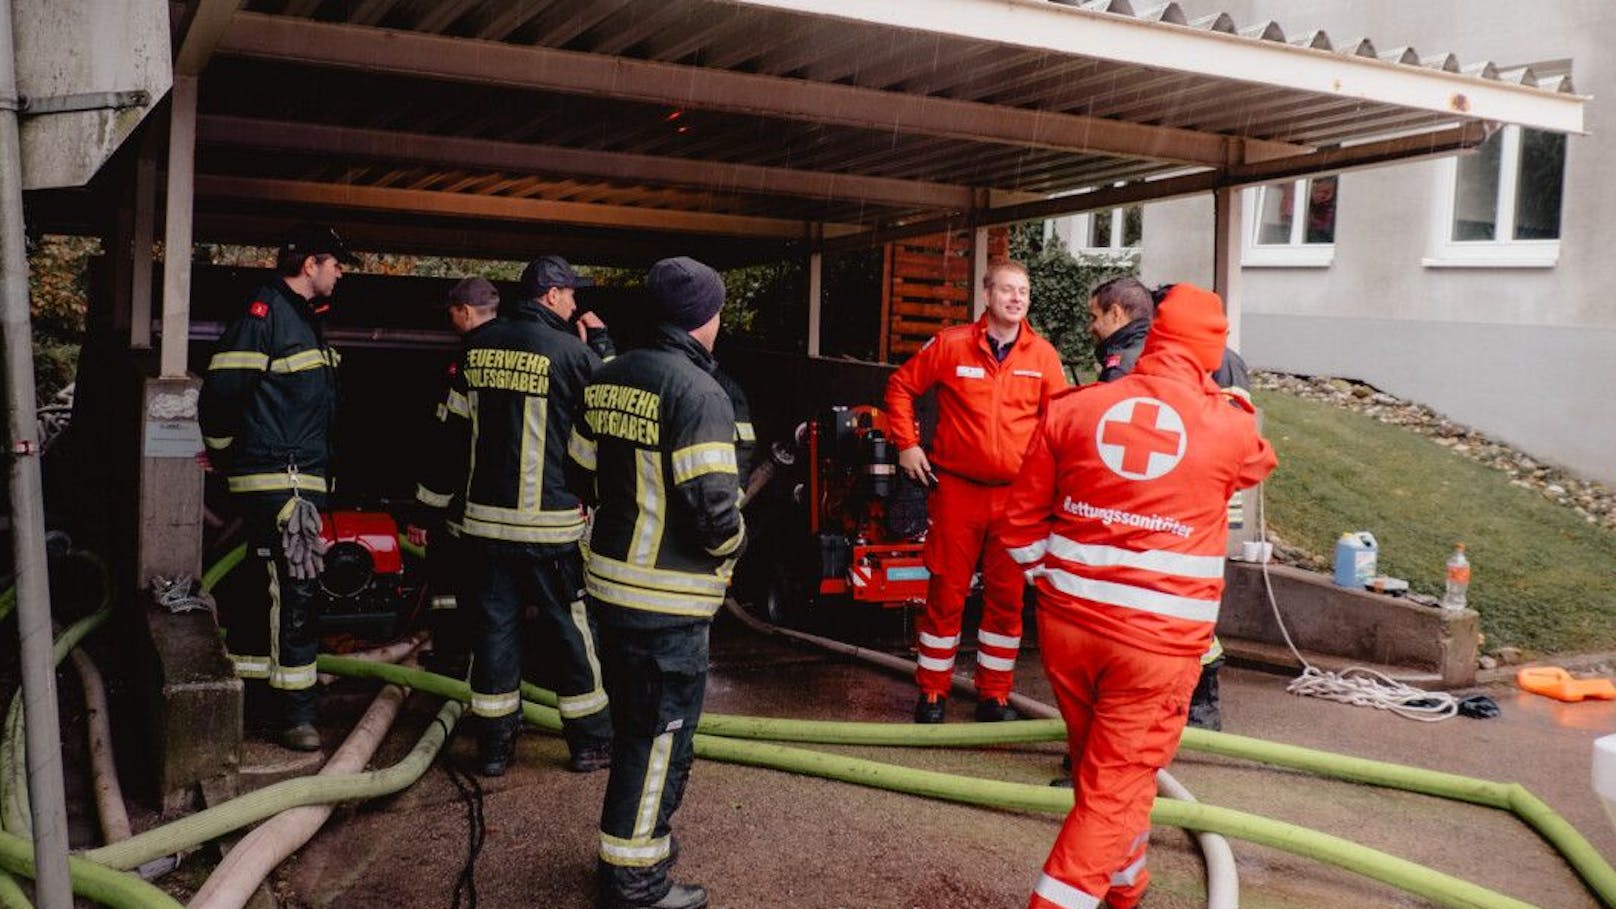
1458,579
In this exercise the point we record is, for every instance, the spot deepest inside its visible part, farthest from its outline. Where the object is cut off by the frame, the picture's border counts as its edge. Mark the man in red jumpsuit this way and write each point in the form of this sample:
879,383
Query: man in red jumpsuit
1120,515
993,380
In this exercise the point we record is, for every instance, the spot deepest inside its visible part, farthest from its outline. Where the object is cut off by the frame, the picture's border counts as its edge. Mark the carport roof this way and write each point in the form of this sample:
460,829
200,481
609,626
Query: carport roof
754,125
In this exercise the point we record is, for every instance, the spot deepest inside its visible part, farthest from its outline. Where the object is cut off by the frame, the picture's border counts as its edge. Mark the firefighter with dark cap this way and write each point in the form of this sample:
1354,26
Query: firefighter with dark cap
513,397
268,400
655,453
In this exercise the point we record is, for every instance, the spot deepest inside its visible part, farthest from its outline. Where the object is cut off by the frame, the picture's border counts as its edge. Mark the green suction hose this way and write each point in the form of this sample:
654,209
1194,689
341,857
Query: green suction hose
90,880
247,809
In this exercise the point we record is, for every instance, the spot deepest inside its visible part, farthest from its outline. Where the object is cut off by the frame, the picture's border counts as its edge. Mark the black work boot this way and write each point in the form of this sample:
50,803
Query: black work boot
1205,710
995,710
679,896
587,757
931,708
496,742
301,737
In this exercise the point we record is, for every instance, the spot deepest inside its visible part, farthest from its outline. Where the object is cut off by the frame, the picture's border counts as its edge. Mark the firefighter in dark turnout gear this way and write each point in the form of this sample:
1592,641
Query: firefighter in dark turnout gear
513,397
266,409
655,452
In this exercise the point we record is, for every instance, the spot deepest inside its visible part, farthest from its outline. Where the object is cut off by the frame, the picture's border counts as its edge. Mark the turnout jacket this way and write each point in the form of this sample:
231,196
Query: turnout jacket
1120,510
986,410
655,453
270,395
1118,353
513,396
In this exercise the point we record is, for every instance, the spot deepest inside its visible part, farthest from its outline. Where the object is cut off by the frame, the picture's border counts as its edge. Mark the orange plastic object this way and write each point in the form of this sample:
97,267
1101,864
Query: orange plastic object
1554,682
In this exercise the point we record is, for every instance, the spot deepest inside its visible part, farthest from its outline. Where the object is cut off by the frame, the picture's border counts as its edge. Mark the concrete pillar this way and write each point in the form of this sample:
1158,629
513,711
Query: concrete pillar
169,534
177,229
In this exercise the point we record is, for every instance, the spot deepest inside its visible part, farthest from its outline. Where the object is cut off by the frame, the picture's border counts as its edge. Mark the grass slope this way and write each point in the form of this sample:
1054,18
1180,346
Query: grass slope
1542,578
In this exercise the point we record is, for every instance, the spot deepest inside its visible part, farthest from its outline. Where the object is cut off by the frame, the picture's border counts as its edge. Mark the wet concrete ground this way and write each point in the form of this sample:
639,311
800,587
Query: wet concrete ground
759,838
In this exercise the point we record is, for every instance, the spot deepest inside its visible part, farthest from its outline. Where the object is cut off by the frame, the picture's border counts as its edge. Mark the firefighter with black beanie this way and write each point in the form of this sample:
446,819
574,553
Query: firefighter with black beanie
513,397
266,409
655,453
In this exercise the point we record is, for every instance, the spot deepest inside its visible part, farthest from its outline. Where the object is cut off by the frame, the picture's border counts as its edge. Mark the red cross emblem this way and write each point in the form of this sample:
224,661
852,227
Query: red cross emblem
1141,438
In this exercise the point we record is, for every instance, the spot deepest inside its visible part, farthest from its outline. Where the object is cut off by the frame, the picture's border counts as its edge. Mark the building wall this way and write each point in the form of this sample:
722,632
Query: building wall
1526,354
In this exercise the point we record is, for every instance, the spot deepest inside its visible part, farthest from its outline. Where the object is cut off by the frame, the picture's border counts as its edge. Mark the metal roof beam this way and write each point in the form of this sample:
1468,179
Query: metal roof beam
368,198
1319,163
1057,27
387,145
551,69
204,25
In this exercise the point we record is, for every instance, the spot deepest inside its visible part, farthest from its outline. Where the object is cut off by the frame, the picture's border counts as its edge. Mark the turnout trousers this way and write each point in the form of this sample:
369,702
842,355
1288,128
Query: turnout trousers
505,577
962,516
281,645
656,671
1125,710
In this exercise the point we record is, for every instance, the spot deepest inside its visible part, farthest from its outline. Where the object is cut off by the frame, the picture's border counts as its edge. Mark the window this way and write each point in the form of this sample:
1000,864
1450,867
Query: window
1111,232
1500,205
1292,224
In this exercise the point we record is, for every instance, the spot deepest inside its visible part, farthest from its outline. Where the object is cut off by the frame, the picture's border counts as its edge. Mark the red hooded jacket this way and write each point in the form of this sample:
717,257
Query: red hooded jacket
1120,508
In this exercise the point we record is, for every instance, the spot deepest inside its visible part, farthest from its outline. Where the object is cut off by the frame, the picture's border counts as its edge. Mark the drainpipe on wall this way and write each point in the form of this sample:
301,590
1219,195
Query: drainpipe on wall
52,887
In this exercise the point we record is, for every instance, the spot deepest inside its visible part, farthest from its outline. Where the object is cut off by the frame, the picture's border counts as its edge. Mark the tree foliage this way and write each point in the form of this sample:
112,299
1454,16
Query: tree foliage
1061,287
58,300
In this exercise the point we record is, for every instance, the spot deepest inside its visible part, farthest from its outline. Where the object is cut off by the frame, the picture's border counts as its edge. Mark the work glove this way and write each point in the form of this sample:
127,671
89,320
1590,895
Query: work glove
301,541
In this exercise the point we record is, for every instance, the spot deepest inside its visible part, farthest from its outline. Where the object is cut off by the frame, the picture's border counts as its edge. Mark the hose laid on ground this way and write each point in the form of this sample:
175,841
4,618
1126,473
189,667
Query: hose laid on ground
1435,886
1440,888
1513,797
109,806
391,652
14,816
1222,875
92,881
211,823
236,878
1398,872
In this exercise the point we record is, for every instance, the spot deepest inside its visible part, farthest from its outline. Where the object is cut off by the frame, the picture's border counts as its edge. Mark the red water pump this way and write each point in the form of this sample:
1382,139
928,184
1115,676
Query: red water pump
363,587
868,521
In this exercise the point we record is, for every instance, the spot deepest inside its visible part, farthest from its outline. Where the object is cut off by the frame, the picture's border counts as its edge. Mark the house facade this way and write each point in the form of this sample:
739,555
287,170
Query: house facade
1483,286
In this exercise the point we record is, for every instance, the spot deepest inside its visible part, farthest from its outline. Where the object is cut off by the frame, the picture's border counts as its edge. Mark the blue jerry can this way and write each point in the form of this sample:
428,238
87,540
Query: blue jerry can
1355,555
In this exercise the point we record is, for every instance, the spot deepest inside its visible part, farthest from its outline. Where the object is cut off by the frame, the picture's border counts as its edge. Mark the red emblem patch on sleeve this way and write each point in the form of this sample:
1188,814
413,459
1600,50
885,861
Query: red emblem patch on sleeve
259,309
1113,360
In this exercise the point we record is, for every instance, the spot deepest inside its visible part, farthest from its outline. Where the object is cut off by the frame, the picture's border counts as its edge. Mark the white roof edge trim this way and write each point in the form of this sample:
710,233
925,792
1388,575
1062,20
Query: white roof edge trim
1041,25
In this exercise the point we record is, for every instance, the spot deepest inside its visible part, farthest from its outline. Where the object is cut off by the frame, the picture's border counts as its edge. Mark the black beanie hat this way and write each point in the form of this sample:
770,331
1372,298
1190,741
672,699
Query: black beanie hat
685,293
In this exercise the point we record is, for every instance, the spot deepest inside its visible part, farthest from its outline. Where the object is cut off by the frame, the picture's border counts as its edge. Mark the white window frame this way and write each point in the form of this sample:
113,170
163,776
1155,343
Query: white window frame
1504,251
1292,254
1082,229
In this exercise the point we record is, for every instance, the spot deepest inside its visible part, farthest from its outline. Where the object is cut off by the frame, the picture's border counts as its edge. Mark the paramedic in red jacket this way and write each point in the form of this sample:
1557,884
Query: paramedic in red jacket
1120,516
993,380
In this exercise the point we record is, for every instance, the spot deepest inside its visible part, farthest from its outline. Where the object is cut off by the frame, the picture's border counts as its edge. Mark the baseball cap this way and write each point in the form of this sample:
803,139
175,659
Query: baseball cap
475,292
684,292
546,272
314,240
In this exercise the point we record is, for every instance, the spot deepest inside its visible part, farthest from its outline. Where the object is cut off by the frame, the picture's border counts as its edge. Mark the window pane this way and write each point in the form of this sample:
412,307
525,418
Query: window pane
1274,213
1320,211
1475,192
1133,226
1100,229
1537,194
